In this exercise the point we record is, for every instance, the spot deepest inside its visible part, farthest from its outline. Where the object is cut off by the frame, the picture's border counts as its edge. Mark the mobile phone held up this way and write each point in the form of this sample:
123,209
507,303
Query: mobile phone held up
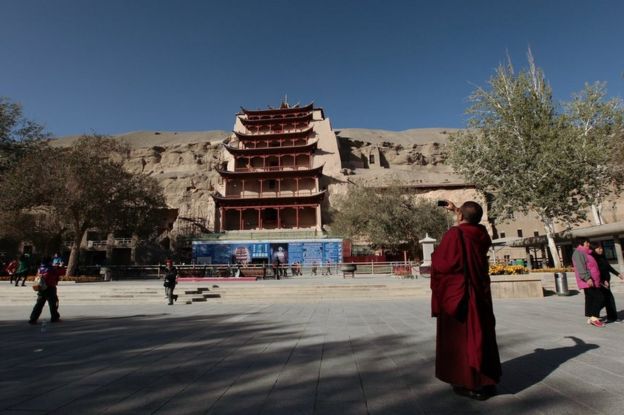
442,203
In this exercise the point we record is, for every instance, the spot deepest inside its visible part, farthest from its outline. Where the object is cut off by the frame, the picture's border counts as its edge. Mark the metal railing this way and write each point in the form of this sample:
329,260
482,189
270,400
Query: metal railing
128,272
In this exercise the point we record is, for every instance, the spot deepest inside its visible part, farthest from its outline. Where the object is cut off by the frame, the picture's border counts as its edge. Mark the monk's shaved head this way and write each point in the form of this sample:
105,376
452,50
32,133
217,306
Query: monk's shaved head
472,212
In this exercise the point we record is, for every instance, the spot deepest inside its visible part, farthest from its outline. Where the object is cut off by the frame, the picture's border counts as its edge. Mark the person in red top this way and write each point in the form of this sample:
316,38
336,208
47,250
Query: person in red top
51,278
10,269
466,350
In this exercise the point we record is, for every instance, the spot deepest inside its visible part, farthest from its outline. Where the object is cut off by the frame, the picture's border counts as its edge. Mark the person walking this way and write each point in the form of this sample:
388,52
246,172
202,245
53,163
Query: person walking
22,270
46,292
605,281
588,279
57,260
466,349
171,279
277,269
10,269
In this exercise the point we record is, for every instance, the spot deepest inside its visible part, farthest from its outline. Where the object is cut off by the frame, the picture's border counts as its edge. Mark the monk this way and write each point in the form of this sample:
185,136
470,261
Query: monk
466,350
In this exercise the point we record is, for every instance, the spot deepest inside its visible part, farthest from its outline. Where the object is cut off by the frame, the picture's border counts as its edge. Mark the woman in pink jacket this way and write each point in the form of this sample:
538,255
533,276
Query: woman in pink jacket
588,279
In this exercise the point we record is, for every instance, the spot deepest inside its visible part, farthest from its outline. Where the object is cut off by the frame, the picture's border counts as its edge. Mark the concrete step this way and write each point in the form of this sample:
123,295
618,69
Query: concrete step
152,292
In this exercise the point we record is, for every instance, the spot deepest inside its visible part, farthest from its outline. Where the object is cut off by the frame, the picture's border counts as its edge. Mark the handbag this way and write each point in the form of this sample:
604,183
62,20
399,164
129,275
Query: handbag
462,308
39,284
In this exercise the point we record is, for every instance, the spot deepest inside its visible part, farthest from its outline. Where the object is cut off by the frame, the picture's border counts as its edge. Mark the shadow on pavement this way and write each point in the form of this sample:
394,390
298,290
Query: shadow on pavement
244,363
525,371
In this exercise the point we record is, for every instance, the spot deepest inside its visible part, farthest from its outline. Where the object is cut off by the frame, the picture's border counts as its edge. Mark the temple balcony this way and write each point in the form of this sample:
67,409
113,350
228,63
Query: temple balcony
278,131
269,218
269,194
271,144
297,128
272,168
269,234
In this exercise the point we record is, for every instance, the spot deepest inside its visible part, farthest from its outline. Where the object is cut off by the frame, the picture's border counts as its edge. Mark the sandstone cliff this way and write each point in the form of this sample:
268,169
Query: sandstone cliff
185,164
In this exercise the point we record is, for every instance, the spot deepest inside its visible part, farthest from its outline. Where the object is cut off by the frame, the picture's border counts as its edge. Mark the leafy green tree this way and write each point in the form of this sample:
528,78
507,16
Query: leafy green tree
37,226
596,125
531,157
387,218
17,134
85,186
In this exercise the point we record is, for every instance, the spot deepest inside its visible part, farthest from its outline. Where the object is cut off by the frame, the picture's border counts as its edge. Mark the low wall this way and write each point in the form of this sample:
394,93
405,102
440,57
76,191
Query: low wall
516,286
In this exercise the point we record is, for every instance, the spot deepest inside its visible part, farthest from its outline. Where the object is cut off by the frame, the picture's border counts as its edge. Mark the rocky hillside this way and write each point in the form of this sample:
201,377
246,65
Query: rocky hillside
185,162
413,156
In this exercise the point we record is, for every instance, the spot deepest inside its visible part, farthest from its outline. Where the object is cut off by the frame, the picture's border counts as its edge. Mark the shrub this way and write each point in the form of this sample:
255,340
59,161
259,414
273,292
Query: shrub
499,269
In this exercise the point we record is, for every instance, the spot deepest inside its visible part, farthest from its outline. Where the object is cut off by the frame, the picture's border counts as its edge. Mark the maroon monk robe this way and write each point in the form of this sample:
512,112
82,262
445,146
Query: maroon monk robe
466,349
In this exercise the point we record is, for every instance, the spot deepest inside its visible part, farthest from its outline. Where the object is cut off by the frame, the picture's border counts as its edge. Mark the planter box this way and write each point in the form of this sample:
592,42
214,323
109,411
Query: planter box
516,286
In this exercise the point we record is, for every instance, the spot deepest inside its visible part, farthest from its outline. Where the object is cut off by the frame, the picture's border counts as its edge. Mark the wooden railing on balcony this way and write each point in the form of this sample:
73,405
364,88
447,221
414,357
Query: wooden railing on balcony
280,131
282,193
272,168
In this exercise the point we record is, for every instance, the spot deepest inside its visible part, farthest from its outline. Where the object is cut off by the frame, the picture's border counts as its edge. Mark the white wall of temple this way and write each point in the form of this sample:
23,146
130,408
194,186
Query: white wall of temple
327,152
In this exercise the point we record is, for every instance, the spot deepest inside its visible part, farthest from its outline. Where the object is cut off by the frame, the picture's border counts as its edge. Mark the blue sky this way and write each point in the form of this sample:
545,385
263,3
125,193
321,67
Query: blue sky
113,66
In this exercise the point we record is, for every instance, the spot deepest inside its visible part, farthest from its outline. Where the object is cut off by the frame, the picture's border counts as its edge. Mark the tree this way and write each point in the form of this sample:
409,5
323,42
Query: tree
37,226
527,155
387,218
596,124
85,187
17,134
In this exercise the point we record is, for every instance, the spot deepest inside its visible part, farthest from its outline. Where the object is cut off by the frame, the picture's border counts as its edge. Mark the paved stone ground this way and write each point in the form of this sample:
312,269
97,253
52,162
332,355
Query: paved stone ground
308,358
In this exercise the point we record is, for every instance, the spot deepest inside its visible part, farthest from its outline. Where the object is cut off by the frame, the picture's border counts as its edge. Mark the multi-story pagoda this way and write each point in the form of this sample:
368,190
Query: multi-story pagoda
272,181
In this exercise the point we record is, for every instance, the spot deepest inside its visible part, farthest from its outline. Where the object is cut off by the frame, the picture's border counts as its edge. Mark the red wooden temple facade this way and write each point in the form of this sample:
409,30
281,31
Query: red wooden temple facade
271,181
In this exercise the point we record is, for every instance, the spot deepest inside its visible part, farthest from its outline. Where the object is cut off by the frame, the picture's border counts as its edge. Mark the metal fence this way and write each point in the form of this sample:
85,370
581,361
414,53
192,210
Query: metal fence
127,272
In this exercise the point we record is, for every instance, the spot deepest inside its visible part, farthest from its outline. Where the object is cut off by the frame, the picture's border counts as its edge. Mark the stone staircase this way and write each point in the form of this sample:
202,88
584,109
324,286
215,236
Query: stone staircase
285,293
290,290
198,295
88,293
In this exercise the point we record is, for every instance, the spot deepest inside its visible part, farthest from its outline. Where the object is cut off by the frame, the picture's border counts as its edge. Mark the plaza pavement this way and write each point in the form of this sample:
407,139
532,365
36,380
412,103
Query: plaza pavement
370,356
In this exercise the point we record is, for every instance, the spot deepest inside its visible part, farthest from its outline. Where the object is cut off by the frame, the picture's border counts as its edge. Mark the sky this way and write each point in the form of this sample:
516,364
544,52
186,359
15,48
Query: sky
113,66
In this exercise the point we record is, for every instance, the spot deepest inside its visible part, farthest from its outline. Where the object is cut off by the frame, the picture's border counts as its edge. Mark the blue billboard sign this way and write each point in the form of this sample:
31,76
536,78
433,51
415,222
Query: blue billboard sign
306,252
